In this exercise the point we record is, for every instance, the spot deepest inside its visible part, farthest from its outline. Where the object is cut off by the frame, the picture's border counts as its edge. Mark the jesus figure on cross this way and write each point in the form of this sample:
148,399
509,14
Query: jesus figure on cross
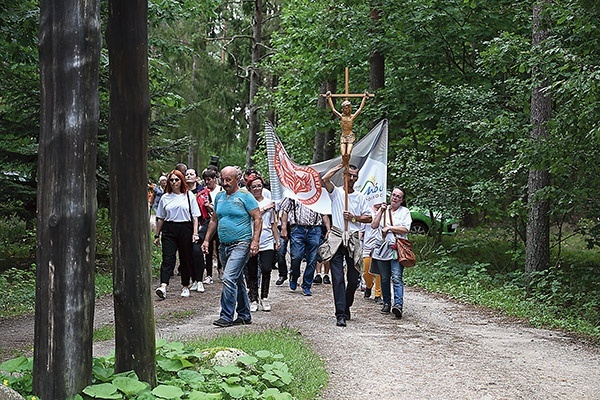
346,121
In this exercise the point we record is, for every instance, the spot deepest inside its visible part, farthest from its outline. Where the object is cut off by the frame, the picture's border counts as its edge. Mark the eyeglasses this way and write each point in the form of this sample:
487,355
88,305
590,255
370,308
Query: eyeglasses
174,179
396,195
256,187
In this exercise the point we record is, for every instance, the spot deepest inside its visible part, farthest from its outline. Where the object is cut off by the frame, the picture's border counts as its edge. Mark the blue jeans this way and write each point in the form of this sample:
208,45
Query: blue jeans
304,243
234,256
391,270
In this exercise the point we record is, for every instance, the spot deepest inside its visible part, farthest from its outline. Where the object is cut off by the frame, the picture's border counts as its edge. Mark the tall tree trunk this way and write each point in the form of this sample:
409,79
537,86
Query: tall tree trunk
319,145
537,248
330,144
376,58
135,346
69,54
254,125
325,145
193,148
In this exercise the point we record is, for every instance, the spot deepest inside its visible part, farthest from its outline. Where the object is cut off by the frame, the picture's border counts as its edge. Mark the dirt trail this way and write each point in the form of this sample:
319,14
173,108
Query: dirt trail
439,350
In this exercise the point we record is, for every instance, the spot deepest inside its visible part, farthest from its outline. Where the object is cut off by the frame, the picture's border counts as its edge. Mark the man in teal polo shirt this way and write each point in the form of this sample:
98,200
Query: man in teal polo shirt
237,218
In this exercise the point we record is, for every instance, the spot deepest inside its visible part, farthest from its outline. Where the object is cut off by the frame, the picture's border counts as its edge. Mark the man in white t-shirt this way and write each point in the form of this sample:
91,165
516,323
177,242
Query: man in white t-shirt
344,240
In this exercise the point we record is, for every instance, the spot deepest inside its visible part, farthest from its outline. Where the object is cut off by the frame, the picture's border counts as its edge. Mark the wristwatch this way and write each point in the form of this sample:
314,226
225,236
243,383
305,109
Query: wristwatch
156,236
353,219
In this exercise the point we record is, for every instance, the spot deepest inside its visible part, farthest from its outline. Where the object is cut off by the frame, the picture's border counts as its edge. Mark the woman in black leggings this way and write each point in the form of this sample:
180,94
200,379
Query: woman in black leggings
176,220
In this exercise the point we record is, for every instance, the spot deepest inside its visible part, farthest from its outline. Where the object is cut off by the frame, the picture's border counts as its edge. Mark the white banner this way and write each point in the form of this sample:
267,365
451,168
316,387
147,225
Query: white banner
303,183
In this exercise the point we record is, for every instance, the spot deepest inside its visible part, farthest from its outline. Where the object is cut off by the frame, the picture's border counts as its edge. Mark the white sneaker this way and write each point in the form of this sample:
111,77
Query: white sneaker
185,292
208,280
266,306
200,287
194,286
254,306
161,292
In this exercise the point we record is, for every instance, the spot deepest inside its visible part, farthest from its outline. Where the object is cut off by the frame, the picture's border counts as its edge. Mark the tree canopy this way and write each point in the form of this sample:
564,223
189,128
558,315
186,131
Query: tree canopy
458,78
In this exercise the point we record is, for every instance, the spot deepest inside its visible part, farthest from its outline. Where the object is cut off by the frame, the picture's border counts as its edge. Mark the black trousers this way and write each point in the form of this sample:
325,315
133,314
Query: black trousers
214,244
177,237
281,261
199,265
343,295
266,261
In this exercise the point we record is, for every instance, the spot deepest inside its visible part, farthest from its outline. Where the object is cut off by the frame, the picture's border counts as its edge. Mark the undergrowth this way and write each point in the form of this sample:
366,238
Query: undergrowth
485,269
187,371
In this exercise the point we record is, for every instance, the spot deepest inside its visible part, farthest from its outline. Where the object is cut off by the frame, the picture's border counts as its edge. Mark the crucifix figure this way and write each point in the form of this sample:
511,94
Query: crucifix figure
347,136
347,119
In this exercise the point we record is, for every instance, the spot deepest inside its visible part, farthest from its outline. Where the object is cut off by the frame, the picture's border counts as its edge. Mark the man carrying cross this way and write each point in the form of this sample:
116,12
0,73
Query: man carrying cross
344,238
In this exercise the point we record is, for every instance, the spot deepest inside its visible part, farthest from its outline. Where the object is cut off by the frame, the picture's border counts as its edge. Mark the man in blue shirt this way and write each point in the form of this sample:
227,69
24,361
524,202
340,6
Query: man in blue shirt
238,221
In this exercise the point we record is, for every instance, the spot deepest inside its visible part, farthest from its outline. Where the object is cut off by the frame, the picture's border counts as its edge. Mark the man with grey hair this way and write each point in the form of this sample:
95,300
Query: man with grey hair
238,221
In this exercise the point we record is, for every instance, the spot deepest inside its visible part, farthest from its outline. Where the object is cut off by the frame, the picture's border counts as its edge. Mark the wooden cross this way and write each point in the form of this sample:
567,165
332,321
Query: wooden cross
346,95
346,157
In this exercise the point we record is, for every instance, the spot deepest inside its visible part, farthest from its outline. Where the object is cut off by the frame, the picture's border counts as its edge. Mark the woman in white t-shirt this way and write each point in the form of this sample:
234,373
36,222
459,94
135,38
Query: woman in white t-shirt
392,221
267,250
177,221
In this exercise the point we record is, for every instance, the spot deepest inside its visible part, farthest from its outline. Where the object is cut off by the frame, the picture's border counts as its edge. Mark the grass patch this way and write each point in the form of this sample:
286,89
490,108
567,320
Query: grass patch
106,332
20,299
182,315
279,365
310,375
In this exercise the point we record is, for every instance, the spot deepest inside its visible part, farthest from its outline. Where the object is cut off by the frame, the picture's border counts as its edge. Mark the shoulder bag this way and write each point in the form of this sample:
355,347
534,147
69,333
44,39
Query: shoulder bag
385,251
406,257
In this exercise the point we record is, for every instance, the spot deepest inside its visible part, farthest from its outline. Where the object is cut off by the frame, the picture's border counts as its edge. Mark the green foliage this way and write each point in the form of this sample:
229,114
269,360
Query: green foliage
19,107
17,243
336,41
103,240
17,374
17,246
308,369
202,112
186,371
482,269
106,332
19,298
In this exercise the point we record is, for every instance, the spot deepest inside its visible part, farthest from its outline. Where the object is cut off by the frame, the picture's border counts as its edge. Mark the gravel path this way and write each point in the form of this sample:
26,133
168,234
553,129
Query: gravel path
439,350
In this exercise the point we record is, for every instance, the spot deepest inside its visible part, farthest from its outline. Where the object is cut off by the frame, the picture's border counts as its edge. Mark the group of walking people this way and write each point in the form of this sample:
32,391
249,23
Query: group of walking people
254,232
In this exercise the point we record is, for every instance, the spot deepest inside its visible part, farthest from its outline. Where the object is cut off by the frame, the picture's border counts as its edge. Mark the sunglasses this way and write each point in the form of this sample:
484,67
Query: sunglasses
174,179
256,187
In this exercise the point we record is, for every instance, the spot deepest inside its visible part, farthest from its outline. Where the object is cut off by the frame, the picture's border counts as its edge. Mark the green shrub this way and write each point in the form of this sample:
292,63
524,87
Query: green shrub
19,298
186,371
17,243
485,267
103,240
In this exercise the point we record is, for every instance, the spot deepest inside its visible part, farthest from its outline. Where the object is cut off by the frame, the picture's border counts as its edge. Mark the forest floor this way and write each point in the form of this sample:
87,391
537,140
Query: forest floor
440,349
